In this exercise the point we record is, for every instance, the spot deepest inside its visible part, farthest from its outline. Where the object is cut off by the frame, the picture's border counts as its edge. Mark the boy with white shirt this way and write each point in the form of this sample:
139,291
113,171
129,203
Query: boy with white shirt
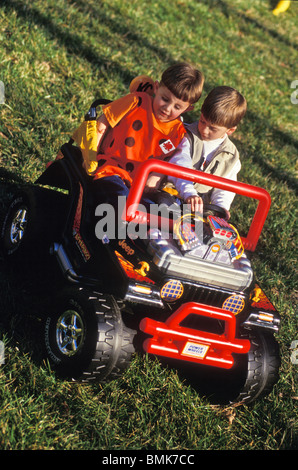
208,148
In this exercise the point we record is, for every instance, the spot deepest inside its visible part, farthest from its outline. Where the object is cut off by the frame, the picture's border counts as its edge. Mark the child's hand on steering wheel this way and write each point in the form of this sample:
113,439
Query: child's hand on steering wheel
196,203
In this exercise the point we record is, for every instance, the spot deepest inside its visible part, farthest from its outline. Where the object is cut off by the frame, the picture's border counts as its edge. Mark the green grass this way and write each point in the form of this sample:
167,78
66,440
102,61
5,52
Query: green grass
56,58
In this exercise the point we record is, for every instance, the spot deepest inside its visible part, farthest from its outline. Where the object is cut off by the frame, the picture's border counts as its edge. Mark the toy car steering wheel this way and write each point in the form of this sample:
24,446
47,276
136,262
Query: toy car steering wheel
213,209
160,196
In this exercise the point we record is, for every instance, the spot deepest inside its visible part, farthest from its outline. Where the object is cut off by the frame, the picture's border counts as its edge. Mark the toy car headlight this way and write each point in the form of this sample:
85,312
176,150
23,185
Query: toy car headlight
172,290
234,303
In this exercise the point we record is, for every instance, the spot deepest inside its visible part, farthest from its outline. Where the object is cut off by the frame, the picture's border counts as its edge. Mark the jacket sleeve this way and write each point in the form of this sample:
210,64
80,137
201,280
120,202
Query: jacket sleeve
117,109
182,157
225,198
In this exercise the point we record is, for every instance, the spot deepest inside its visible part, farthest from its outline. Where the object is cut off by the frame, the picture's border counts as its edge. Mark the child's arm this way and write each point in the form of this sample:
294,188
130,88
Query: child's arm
182,157
186,188
222,198
102,125
114,112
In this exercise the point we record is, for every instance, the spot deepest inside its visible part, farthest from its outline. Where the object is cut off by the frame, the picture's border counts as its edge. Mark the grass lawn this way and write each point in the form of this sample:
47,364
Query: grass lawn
56,58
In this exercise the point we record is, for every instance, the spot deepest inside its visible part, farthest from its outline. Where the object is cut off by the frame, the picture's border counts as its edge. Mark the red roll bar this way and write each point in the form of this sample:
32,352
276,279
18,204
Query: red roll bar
165,168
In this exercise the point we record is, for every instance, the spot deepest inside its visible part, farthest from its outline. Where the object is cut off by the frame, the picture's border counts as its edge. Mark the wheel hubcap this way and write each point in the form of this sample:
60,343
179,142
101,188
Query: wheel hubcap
18,225
70,333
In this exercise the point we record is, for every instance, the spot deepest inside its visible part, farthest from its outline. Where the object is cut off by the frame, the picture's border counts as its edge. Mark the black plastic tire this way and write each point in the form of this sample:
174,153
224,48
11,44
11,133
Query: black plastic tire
85,337
252,376
260,367
34,217
17,230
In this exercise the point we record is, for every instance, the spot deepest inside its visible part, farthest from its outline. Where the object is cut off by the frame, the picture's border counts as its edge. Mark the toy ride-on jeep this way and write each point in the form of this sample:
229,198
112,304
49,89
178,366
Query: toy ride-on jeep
188,298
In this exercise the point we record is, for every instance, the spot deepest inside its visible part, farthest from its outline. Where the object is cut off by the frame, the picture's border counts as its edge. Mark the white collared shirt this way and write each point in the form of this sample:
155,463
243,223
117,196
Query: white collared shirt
186,188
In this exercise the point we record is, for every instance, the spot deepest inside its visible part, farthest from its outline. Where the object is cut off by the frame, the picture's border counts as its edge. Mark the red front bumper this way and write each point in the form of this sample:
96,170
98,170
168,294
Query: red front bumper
172,340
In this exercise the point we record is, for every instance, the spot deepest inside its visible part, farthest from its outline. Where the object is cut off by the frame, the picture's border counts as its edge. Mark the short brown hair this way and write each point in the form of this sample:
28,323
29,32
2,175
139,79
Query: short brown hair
184,81
224,106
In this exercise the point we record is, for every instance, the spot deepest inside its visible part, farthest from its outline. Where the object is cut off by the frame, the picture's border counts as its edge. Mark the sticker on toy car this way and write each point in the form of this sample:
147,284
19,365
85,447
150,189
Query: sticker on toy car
195,350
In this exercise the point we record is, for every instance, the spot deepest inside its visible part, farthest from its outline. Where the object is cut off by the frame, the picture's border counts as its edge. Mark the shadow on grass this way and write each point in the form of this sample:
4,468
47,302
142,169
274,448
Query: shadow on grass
256,156
228,10
21,311
19,315
30,280
218,386
26,282
76,46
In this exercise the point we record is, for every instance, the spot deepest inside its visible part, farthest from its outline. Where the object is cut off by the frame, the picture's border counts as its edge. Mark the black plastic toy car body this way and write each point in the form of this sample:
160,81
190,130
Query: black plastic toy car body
200,306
